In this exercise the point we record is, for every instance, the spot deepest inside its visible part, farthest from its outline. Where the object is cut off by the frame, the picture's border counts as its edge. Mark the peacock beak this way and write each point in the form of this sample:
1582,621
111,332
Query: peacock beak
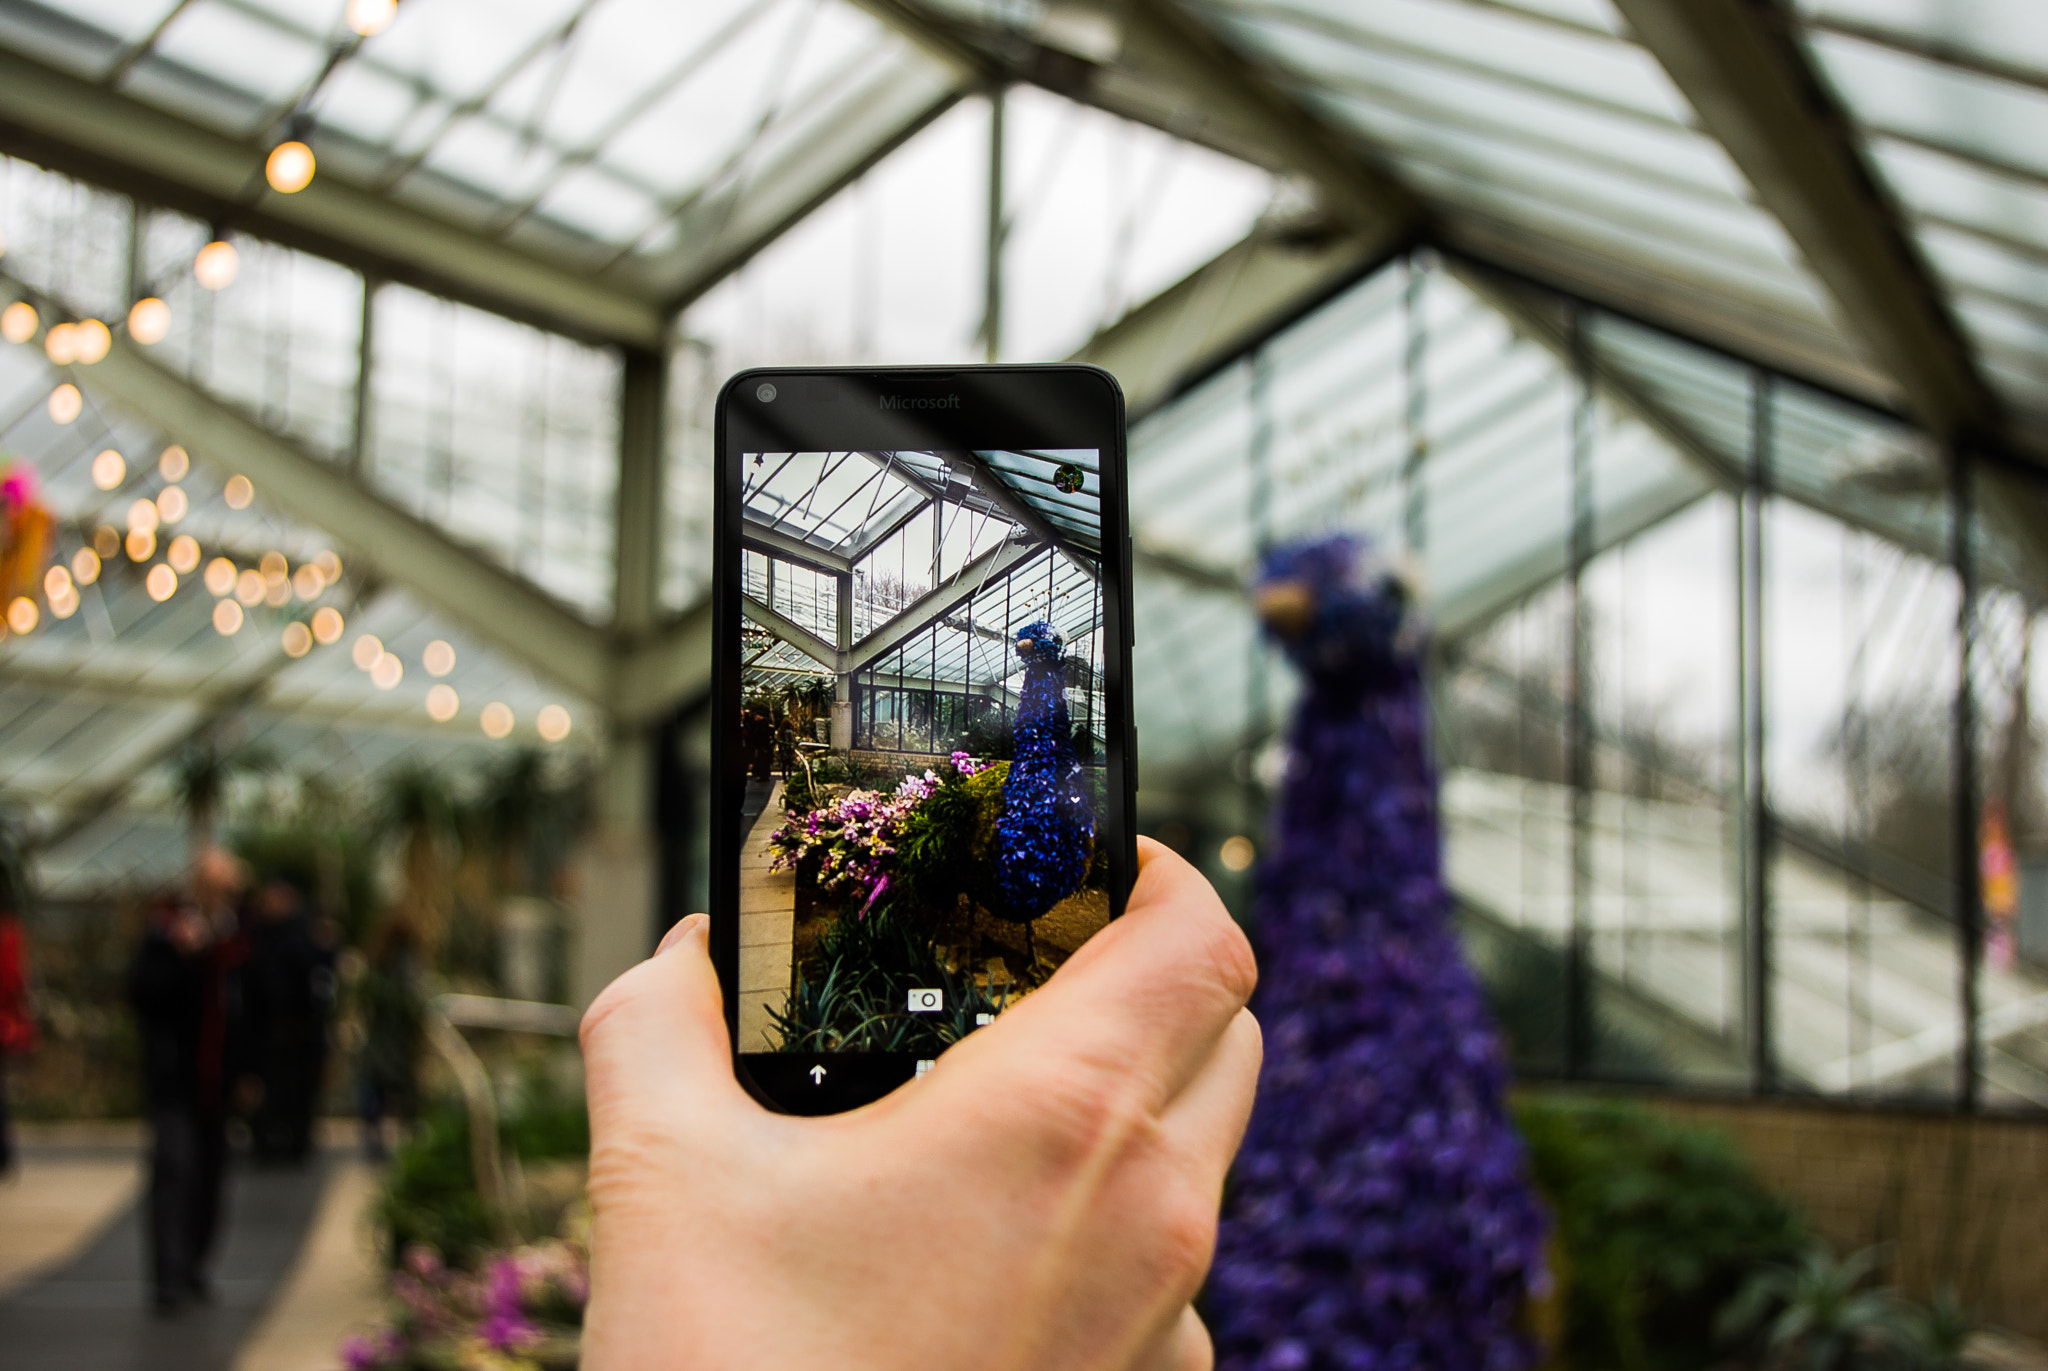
1288,607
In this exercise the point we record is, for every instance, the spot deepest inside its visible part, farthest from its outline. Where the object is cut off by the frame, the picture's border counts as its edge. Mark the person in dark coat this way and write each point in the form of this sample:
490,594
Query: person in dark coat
184,986
287,997
391,1003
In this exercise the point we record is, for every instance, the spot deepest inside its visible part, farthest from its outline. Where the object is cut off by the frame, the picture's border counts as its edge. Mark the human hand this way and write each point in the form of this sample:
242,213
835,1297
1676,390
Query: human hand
1045,1197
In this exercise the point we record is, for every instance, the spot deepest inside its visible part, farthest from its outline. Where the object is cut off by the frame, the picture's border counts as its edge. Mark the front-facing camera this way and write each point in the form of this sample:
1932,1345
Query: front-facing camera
765,393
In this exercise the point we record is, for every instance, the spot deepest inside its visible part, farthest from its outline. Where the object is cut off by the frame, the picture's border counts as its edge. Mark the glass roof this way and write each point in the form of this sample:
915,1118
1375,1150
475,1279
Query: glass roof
555,121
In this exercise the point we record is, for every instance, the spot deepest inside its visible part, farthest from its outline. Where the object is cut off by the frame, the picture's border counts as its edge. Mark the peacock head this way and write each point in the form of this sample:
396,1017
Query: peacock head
1040,642
1343,613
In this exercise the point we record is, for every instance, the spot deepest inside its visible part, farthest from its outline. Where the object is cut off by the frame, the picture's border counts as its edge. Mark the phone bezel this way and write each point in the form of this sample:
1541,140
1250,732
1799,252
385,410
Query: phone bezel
832,409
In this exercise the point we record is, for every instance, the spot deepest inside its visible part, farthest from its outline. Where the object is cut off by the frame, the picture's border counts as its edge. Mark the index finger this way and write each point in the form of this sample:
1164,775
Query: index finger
1149,996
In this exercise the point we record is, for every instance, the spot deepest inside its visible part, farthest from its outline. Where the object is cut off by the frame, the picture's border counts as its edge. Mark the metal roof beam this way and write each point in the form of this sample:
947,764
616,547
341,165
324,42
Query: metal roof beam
937,602
113,140
1756,95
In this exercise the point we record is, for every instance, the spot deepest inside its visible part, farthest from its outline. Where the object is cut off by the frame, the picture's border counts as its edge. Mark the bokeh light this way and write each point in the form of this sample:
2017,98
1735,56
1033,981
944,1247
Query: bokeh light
141,544
249,586
273,566
175,464
443,703
106,540
238,492
183,554
161,583
56,581
220,576
149,321
289,168
22,615
171,504
109,469
277,594
298,639
64,603
93,341
18,322
368,18
387,672
1237,853
368,649
66,404
85,566
329,564
496,720
439,658
216,265
308,582
553,723
327,625
143,514
227,618
60,344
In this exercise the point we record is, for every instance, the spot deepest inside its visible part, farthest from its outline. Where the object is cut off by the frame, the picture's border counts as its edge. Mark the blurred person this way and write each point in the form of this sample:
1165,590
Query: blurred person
287,999
1044,1199
17,1023
185,989
391,1005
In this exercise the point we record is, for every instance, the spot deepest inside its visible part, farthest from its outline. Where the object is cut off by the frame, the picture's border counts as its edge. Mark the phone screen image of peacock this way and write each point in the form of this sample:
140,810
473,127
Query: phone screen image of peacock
922,724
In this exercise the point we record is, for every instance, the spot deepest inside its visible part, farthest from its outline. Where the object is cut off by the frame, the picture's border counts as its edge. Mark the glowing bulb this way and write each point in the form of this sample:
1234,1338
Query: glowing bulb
93,341
553,723
149,320
141,544
220,576
175,464
109,470
22,615
106,540
327,625
183,554
238,492
61,344
329,564
143,514
439,658
216,265
56,582
289,168
171,504
277,594
18,322
227,618
371,17
66,604
1237,853
249,587
273,566
442,703
66,404
161,583
367,651
496,719
298,639
308,582
85,566
388,672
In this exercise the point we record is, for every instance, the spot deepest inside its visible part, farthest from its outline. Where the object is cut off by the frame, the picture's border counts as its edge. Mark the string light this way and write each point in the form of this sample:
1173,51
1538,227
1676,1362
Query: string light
106,540
553,723
143,514
93,341
22,615
18,322
371,17
220,577
63,602
161,583
66,404
60,344
149,321
443,703
183,554
273,566
367,651
238,492
249,587
227,618
289,168
496,720
85,566
439,658
174,464
327,625
216,265
56,582
388,672
277,594
329,564
141,544
171,504
1237,853
109,469
298,639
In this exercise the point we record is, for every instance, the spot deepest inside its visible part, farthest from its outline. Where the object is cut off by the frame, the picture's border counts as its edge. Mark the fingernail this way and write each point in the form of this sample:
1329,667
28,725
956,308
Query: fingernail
682,929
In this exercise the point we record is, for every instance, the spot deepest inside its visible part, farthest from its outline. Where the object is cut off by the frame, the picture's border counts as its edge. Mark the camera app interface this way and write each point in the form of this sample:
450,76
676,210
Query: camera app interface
922,725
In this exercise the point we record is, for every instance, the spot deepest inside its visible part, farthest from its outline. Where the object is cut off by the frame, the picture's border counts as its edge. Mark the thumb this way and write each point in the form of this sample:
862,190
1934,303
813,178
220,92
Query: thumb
656,1037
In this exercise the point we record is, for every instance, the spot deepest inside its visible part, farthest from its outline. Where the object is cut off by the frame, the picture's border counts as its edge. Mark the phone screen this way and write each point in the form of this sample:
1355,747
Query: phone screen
924,674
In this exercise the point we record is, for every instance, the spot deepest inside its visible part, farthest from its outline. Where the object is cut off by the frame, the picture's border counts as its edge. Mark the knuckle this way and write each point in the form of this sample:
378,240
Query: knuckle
1228,956
1185,1231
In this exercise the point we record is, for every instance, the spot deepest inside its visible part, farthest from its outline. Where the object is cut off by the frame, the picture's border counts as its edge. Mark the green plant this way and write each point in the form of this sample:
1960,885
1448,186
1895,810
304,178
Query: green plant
201,775
943,845
1658,1224
860,1001
1818,1315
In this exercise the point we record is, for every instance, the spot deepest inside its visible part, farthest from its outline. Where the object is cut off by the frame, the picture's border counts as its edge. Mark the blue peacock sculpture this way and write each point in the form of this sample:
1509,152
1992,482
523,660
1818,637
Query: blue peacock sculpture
1380,1215
1045,838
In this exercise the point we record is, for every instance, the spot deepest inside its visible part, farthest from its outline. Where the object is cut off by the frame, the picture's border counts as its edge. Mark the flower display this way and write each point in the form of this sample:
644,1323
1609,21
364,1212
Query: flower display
24,531
518,1312
1045,838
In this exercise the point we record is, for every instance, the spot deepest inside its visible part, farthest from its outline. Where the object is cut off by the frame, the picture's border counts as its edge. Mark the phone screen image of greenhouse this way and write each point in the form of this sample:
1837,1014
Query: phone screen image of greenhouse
922,725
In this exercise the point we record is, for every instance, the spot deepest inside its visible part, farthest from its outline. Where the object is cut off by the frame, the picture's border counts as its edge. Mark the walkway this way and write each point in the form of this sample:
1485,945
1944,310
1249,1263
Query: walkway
767,919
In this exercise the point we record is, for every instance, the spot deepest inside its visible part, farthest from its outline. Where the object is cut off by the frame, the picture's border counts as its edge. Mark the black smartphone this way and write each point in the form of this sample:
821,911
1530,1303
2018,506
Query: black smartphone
923,749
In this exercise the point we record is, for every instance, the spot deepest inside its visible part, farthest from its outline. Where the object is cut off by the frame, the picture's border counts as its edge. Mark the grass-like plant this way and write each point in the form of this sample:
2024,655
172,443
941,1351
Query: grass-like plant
860,1001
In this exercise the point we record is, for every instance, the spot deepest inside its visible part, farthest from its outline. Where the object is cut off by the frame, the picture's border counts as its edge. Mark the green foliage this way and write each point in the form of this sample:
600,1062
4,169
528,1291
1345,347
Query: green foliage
430,1195
860,1002
1658,1224
330,862
944,845
1817,1314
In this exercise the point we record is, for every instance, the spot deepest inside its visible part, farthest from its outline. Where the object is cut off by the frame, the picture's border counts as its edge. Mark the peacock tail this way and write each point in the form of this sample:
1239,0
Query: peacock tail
1045,837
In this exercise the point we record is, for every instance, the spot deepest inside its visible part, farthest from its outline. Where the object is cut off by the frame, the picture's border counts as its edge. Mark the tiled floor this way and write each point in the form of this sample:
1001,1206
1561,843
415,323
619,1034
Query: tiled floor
767,922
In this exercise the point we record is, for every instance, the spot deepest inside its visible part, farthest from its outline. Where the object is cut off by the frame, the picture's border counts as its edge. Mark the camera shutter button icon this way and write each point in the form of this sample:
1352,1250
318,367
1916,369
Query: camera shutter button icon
927,1001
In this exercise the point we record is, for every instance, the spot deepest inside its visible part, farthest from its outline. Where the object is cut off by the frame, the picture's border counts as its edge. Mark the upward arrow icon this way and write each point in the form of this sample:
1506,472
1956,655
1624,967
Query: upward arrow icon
817,1075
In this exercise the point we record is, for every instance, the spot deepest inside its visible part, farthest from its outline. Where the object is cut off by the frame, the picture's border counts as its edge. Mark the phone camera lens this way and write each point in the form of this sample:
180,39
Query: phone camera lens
765,393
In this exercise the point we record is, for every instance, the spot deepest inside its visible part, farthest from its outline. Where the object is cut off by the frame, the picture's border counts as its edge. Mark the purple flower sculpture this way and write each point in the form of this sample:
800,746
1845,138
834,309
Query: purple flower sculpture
1045,837
1380,1215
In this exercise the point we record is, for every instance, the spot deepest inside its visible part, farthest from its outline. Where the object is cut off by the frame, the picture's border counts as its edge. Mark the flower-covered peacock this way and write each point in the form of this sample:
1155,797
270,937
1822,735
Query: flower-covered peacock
1380,1216
1045,838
